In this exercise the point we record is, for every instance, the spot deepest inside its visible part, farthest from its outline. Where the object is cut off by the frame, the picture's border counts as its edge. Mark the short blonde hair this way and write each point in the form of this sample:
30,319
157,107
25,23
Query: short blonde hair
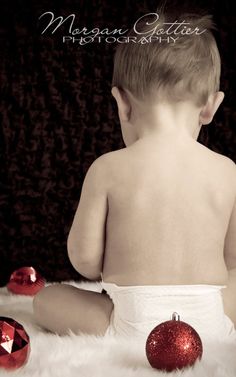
188,69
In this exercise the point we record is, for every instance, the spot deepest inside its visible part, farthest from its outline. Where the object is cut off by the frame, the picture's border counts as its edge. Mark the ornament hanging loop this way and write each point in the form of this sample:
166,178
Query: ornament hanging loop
175,317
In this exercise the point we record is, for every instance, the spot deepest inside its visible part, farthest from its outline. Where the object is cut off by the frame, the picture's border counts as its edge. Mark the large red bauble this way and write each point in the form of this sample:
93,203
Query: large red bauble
173,345
14,344
26,281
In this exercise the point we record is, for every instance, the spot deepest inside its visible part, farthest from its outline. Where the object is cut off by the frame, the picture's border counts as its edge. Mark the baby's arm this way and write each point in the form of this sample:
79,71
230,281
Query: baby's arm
229,294
86,239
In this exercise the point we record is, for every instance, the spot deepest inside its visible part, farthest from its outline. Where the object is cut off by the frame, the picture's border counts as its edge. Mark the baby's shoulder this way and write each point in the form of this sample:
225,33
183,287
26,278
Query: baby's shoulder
215,157
224,162
109,160
223,166
107,165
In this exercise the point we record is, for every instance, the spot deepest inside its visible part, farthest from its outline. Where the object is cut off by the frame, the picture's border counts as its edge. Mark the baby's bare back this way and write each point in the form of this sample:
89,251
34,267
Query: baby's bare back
169,209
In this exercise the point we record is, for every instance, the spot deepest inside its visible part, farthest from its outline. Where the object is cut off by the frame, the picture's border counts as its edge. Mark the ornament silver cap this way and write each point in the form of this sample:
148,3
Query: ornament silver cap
175,317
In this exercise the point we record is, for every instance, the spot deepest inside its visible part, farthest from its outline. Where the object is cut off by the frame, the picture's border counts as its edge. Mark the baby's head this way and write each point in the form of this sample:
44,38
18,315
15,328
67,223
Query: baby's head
168,72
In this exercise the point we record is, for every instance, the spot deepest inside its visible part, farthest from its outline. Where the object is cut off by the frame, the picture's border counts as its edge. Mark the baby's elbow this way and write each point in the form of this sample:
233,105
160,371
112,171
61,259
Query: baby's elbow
72,254
72,258
69,248
84,268
75,257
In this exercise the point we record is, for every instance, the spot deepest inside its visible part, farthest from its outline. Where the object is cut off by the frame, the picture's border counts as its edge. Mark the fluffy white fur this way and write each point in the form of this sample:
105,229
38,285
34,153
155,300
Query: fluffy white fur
90,356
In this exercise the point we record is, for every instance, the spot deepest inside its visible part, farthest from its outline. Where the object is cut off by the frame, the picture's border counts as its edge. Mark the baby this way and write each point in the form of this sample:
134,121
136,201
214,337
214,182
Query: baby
156,220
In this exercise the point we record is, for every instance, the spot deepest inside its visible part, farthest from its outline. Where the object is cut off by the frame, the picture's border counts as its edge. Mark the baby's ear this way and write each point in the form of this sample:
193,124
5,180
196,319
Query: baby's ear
208,111
123,103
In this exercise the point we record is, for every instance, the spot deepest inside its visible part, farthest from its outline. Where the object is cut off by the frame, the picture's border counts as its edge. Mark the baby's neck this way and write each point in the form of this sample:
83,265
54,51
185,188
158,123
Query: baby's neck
169,120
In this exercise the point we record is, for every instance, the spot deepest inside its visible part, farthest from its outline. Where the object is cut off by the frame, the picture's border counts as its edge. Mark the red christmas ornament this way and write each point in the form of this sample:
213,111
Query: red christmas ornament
25,281
14,344
173,345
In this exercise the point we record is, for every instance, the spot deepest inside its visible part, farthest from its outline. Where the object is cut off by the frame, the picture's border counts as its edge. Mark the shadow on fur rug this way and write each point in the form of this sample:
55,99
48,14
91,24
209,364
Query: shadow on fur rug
90,356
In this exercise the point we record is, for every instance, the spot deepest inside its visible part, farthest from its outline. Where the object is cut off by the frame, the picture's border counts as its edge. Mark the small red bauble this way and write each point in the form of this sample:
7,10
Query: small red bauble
14,344
173,345
26,281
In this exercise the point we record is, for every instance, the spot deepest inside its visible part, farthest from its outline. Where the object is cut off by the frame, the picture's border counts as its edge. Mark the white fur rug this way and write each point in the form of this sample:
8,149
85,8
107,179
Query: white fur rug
90,356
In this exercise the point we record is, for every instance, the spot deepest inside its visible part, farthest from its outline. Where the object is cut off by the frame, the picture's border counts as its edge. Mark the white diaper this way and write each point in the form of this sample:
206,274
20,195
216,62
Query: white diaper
138,309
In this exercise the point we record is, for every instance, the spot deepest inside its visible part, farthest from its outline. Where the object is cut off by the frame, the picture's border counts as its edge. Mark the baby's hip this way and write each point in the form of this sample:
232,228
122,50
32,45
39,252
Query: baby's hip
143,307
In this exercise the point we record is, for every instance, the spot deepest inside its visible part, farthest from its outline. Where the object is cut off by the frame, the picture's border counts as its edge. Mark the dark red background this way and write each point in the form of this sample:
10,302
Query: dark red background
57,116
